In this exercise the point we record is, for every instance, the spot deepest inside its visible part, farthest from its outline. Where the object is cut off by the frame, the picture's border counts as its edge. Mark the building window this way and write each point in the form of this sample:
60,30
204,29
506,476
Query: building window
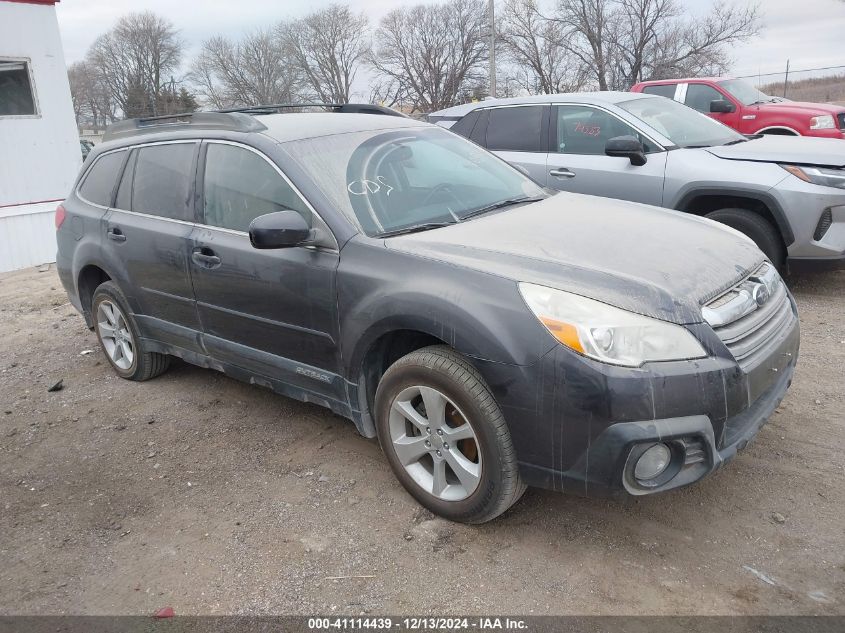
16,96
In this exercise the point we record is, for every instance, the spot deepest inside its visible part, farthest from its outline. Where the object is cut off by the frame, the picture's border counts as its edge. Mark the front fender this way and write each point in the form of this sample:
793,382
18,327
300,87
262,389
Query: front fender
479,315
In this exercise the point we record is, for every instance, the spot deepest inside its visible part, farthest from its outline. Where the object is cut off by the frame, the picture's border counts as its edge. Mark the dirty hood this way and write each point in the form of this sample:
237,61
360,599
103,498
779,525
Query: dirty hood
800,150
652,261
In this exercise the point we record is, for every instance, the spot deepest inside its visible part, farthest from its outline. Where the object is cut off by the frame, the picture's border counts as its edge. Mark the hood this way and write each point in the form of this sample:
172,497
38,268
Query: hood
655,262
801,107
800,150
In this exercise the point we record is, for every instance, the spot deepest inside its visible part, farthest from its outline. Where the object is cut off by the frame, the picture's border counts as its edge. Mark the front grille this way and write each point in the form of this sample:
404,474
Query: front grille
824,224
748,336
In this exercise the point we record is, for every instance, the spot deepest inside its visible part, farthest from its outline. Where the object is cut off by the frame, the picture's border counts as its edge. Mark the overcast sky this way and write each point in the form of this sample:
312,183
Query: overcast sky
809,32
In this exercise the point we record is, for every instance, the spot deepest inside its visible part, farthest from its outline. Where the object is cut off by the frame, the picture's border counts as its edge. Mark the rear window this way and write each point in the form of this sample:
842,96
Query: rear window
164,176
666,90
101,180
515,129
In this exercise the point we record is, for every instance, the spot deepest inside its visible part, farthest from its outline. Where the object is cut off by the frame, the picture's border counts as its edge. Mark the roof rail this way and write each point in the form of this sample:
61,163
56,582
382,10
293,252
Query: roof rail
344,108
234,121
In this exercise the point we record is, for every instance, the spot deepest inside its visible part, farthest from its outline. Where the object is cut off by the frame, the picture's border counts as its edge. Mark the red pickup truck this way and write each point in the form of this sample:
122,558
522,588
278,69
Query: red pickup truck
739,105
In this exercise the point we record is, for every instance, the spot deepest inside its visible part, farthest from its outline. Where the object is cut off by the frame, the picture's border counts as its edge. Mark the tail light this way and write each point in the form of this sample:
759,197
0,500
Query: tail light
60,216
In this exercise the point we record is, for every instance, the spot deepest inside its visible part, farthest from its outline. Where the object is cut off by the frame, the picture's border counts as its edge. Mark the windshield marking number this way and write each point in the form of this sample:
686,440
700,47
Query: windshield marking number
366,187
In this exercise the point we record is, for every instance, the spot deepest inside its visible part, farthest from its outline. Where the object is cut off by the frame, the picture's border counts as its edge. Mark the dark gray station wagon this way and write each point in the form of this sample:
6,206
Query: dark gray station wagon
491,335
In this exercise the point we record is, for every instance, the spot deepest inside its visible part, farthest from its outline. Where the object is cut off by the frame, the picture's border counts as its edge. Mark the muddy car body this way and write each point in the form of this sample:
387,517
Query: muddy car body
491,335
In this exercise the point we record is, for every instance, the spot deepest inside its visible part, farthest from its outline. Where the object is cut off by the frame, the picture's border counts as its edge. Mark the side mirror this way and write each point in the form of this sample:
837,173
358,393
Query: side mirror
281,229
722,106
626,147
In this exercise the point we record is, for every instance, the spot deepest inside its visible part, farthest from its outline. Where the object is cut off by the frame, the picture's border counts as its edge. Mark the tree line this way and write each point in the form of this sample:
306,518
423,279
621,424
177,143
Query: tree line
420,58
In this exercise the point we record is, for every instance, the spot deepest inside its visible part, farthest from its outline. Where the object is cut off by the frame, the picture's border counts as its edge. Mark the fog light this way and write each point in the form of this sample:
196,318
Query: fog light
653,462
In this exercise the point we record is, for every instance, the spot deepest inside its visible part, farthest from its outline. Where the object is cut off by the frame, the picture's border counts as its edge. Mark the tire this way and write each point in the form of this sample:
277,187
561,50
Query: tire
111,313
765,236
489,481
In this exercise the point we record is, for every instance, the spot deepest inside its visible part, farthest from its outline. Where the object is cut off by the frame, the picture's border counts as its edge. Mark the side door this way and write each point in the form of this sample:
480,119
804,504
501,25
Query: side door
700,96
271,312
578,162
147,233
519,135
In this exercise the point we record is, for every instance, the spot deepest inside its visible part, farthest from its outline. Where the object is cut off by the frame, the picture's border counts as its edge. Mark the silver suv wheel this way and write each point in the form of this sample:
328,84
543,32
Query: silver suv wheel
435,443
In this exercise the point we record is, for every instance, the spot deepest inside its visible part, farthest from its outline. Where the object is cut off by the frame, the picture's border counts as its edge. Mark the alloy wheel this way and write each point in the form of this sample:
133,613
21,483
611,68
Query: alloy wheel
115,335
435,443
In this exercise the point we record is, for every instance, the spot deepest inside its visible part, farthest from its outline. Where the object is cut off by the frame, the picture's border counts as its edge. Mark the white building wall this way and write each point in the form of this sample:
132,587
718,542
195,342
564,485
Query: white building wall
39,155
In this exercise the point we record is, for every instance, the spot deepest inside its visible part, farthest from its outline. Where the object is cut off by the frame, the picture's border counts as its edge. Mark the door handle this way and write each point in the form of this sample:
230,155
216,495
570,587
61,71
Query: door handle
116,234
562,172
205,257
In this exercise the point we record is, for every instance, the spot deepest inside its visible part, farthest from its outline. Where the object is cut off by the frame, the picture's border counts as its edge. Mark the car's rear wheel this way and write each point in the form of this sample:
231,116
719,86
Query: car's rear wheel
755,226
445,437
118,335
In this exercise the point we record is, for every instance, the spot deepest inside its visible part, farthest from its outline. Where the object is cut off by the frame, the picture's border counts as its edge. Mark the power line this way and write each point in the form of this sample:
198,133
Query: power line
808,70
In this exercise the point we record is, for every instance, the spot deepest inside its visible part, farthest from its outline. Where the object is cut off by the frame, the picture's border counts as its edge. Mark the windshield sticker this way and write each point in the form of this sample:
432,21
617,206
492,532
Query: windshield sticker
366,187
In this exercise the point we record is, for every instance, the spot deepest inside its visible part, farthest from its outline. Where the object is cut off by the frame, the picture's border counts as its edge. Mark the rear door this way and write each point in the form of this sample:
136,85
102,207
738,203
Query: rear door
519,134
273,312
578,162
148,234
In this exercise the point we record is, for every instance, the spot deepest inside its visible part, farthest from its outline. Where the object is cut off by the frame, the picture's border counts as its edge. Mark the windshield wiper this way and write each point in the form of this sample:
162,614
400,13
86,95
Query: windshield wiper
735,142
416,228
500,205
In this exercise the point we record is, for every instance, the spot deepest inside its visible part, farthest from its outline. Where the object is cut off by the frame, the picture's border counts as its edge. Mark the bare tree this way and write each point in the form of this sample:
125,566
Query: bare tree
535,45
136,60
92,103
328,47
429,52
622,42
255,70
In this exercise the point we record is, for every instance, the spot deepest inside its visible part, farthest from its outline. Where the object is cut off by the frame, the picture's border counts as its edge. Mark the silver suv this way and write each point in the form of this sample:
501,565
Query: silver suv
785,193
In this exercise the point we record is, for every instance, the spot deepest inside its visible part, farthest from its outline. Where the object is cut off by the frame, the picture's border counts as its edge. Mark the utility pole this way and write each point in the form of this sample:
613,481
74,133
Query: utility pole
786,79
492,50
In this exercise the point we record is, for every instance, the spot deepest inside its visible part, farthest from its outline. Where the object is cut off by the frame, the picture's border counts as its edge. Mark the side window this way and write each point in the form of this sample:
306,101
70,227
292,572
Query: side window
16,96
515,129
164,175
124,191
699,97
465,125
586,130
240,185
664,90
101,180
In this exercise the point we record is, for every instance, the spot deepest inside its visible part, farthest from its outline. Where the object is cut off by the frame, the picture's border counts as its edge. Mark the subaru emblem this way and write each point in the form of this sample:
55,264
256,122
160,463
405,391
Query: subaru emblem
760,295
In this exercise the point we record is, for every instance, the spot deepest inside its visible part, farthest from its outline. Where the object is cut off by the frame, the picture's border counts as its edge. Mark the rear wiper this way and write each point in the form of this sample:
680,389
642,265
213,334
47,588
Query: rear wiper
416,228
500,205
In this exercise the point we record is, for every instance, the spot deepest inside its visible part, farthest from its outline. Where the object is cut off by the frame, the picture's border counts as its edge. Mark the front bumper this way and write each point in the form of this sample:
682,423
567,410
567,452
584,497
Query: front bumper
582,425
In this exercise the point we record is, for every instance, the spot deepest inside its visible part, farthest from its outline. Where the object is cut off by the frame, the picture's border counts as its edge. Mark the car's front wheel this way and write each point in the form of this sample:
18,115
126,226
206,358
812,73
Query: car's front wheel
755,226
118,335
445,437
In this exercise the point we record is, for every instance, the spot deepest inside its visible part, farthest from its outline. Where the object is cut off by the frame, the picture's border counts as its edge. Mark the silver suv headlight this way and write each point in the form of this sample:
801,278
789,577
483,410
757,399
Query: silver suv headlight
608,334
818,175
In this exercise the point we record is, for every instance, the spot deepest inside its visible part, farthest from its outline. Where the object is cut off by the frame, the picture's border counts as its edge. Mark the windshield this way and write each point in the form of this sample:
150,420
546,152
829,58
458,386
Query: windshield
387,181
745,92
682,125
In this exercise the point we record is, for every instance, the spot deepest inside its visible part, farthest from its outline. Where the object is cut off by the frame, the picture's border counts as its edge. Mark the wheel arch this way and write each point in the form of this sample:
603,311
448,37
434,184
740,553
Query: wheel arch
778,130
88,279
705,200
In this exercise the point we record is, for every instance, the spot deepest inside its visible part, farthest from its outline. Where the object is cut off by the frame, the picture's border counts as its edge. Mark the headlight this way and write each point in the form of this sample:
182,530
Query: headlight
823,122
818,175
608,334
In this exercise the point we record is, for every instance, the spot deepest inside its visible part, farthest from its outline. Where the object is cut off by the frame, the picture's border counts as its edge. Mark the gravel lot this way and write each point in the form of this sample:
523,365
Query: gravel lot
216,497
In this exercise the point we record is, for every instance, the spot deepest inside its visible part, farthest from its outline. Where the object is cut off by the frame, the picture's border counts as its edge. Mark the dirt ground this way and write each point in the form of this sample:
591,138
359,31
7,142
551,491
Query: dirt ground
216,497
